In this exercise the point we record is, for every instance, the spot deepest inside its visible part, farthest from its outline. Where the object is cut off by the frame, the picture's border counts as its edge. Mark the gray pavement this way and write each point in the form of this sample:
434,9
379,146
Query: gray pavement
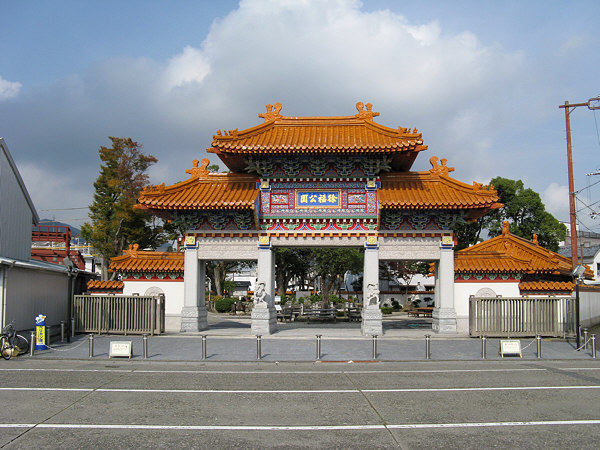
229,339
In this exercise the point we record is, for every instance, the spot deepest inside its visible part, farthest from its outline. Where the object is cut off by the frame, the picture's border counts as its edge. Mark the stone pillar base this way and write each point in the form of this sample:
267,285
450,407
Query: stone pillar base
372,322
193,318
264,319
444,321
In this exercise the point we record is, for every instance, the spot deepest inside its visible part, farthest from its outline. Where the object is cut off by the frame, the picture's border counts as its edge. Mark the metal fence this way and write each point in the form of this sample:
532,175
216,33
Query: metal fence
518,316
119,314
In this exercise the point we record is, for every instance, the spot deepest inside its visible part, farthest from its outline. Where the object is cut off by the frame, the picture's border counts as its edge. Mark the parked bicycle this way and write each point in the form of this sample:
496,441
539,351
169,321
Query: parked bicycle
11,343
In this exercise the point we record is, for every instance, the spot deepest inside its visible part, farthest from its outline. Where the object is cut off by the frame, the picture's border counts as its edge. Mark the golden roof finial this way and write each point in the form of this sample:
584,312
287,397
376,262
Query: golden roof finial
365,111
442,169
199,172
505,228
271,114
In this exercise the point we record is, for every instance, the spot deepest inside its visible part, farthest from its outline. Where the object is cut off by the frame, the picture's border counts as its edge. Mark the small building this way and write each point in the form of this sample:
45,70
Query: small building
28,287
146,272
509,266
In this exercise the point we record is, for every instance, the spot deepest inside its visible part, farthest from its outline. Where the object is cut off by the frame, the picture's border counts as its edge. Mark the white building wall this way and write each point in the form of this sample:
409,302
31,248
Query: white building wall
16,215
463,290
589,307
25,299
173,291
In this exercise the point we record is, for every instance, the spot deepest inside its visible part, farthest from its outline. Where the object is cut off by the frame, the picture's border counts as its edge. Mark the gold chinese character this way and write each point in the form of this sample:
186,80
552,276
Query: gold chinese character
304,198
322,198
332,198
313,198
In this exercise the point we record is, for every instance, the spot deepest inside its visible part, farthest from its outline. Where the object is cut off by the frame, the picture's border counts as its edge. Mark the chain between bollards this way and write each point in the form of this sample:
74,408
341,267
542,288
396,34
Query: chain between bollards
427,346
483,347
145,346
374,346
593,346
258,347
203,346
32,344
91,344
318,347
538,338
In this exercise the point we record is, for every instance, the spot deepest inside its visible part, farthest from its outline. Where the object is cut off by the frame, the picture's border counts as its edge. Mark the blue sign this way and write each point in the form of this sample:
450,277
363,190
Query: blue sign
318,199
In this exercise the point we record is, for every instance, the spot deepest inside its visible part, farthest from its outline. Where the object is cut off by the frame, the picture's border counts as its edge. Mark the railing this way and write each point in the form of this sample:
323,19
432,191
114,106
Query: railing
518,316
119,314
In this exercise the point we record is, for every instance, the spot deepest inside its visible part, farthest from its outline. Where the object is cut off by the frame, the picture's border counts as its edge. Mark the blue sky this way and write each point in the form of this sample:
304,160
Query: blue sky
482,80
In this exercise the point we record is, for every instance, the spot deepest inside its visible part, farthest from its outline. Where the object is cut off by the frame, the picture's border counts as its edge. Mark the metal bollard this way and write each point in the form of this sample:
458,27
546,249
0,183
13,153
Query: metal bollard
374,346
91,344
318,347
427,346
585,338
62,331
72,327
539,346
32,344
47,336
594,346
145,346
483,347
258,347
203,346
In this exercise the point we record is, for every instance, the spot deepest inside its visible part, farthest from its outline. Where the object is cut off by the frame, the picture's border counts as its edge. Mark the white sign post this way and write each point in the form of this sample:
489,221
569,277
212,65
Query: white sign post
510,348
121,349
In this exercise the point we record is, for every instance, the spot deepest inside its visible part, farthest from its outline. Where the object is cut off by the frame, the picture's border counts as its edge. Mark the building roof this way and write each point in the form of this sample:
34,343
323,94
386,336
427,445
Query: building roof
107,285
357,134
15,170
546,286
203,190
434,189
134,260
509,253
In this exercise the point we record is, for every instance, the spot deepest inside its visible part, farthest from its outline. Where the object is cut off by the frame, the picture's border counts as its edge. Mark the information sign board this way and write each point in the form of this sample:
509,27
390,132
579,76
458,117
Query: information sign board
120,349
510,347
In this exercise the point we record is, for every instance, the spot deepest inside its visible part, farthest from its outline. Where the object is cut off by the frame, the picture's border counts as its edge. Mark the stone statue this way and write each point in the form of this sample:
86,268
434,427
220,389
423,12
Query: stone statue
260,294
372,295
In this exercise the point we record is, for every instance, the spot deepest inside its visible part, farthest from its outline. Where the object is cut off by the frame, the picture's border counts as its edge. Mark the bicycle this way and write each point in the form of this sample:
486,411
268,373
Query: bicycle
11,343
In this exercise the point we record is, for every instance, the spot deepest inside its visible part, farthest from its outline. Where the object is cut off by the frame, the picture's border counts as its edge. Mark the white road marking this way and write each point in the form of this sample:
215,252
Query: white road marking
299,391
302,427
272,372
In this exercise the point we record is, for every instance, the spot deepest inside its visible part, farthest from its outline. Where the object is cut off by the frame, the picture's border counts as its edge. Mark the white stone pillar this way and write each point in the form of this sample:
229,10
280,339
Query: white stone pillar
371,324
193,313
264,315
444,313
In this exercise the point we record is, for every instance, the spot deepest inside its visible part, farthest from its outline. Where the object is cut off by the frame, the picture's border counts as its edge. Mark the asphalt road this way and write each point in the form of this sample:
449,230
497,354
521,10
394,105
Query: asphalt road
461,404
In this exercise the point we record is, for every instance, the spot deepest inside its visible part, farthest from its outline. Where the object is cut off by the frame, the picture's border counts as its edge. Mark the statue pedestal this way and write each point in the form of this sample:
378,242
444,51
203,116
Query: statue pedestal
264,319
371,324
193,318
444,321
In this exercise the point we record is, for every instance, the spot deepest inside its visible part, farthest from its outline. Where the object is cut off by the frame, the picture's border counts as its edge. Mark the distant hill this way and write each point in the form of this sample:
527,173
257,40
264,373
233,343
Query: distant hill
75,232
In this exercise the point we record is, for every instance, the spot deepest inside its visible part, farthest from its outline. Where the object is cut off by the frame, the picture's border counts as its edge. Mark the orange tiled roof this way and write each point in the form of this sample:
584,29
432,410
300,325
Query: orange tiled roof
546,286
111,285
508,253
203,190
134,260
433,189
309,135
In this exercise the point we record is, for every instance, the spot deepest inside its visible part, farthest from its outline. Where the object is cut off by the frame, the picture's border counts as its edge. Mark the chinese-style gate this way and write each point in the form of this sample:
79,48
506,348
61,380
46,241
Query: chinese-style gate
319,181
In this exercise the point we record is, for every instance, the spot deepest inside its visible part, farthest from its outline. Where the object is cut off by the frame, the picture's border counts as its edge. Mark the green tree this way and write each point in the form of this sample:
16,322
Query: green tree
524,210
291,263
403,270
331,264
114,222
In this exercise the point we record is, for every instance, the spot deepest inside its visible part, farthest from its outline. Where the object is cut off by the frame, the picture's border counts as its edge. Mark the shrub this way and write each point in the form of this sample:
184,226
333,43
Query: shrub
386,309
223,305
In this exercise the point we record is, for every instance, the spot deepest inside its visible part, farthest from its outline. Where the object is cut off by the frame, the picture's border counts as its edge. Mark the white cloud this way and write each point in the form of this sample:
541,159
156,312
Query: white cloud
556,200
190,66
8,89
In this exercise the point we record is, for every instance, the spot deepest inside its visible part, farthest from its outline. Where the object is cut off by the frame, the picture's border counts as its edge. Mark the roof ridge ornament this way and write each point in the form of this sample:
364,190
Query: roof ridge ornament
365,111
505,228
441,169
132,250
199,172
272,115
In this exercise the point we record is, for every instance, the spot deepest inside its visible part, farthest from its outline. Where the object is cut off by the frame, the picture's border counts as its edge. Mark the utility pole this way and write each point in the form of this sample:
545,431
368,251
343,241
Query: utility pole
592,103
